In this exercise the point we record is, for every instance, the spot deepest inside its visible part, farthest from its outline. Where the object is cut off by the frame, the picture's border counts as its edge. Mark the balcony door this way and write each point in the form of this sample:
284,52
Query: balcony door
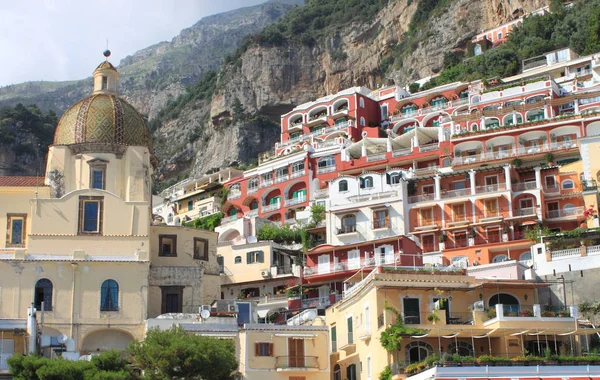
493,234
553,210
411,311
550,182
296,353
428,243
491,183
354,259
458,212
384,255
324,266
426,217
491,207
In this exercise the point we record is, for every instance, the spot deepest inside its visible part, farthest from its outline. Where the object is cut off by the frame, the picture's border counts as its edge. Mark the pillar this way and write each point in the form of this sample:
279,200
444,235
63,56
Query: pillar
389,144
472,180
576,106
507,176
514,118
538,177
437,193
363,149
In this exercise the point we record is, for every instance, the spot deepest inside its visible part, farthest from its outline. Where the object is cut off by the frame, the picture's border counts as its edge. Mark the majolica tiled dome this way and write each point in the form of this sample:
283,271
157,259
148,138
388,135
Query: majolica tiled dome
103,117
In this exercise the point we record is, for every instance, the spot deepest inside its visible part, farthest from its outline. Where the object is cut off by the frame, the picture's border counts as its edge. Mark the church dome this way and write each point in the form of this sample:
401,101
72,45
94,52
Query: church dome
103,117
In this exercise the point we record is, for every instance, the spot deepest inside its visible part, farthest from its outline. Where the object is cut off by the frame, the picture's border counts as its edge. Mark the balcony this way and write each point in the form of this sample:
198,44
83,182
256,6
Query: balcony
336,127
229,219
532,185
373,196
271,207
344,230
525,211
252,190
565,213
266,183
295,363
282,178
326,169
298,173
551,190
321,193
318,302
466,160
455,193
294,140
589,185
426,224
490,188
252,213
234,195
294,201
381,224
320,118
401,152
421,198
428,170
429,147
376,157
458,220
351,265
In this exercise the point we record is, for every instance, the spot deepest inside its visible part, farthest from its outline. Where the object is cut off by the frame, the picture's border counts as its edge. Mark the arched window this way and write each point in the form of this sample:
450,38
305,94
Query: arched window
462,348
568,184
499,258
366,182
418,351
343,185
395,178
362,122
253,185
43,293
234,191
337,372
525,256
237,260
569,209
109,296
503,299
361,102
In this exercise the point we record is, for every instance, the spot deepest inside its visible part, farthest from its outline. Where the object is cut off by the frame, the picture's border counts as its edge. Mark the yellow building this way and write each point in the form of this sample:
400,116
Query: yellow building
452,312
80,240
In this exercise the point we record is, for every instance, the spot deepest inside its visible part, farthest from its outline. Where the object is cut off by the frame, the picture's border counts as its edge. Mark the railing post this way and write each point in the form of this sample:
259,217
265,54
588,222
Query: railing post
537,311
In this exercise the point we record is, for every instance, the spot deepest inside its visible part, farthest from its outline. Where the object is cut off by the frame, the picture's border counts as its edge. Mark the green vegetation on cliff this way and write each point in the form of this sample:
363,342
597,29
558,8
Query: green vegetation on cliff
27,132
577,28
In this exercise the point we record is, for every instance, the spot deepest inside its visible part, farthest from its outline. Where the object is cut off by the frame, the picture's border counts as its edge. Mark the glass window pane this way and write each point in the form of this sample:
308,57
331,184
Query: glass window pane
97,179
16,236
90,216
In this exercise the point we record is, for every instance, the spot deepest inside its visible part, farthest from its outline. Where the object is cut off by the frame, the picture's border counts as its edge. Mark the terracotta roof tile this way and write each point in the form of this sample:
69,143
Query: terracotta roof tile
21,181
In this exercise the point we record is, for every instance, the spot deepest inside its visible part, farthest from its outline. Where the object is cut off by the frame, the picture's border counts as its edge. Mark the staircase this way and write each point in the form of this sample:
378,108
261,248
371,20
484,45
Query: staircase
5,376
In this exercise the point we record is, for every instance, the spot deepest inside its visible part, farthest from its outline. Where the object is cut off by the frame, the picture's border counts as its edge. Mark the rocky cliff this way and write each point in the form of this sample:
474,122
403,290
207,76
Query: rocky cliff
272,80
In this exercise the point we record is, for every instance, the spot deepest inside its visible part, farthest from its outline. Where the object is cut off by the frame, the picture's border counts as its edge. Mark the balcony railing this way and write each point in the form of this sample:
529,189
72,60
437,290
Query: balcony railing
317,302
525,211
326,169
351,264
421,198
429,147
294,201
401,152
298,173
282,178
266,183
532,185
490,188
565,213
292,362
229,219
381,224
373,196
429,169
252,190
589,184
346,230
321,193
376,157
271,207
251,213
566,253
455,193
234,195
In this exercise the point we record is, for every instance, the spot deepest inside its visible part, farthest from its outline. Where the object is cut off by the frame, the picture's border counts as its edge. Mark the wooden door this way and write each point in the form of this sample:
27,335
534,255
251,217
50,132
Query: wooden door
296,353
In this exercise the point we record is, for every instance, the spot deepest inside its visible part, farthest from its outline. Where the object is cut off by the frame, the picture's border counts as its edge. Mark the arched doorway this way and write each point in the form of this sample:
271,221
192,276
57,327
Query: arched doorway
418,351
106,339
510,304
461,348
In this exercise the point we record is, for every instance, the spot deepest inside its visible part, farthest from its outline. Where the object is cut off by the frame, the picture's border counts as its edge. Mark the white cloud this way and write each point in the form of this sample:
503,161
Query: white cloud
64,39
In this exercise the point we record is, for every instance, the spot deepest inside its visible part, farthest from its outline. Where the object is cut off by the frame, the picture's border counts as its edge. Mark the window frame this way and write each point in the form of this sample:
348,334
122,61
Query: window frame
197,255
160,245
263,349
100,217
115,306
345,182
97,165
565,182
255,257
47,306
237,260
10,217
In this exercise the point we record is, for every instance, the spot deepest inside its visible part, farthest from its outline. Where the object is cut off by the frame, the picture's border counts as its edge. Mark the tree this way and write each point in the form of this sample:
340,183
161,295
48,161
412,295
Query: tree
174,354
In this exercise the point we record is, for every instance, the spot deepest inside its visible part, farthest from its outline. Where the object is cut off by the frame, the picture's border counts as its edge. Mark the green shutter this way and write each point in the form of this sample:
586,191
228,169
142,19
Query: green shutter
248,257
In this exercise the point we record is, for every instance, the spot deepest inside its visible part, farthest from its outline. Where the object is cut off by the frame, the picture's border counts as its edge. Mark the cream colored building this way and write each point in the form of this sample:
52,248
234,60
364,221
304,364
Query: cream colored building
81,242
476,317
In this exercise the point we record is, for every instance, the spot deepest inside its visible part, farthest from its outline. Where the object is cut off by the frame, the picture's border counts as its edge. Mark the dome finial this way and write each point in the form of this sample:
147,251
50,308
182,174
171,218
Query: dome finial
106,52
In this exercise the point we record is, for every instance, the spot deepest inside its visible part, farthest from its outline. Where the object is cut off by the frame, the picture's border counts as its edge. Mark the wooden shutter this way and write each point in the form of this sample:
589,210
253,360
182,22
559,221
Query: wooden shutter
270,349
256,349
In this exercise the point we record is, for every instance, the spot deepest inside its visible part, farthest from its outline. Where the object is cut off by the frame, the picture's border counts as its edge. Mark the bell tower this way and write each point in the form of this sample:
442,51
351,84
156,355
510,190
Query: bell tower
105,77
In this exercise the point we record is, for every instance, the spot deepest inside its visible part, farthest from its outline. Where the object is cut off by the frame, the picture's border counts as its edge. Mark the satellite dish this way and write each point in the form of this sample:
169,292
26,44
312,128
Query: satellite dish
62,339
252,239
205,314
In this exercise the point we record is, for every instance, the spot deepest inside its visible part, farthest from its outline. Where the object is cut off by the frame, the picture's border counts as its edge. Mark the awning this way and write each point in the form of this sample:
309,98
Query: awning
529,223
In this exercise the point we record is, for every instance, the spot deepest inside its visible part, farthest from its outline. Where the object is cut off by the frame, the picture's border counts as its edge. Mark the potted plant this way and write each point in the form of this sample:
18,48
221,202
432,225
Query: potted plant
548,313
443,238
549,158
433,317
516,162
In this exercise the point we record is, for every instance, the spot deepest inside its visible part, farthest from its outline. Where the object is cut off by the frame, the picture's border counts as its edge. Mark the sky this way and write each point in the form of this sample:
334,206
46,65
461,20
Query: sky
58,40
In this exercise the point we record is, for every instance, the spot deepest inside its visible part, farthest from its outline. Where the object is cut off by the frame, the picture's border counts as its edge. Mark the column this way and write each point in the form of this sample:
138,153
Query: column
437,193
416,139
389,144
363,149
547,113
482,126
576,106
472,180
507,176
514,117
538,177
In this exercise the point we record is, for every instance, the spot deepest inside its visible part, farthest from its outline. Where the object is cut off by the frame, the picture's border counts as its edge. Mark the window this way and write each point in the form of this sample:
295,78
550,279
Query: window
255,257
43,293
368,367
297,168
97,173
477,49
237,260
384,111
362,122
326,162
263,349
172,297
334,339
109,296
500,35
381,219
167,245
393,178
568,184
90,215
366,183
234,191
343,185
190,205
15,230
253,185
348,223
361,102
104,82
200,249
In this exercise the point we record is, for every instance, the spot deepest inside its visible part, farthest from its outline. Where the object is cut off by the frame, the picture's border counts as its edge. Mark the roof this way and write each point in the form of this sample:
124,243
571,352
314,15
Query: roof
21,181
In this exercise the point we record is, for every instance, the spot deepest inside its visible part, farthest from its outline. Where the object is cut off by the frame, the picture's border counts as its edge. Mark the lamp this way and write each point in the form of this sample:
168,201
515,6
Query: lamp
406,297
525,296
480,296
